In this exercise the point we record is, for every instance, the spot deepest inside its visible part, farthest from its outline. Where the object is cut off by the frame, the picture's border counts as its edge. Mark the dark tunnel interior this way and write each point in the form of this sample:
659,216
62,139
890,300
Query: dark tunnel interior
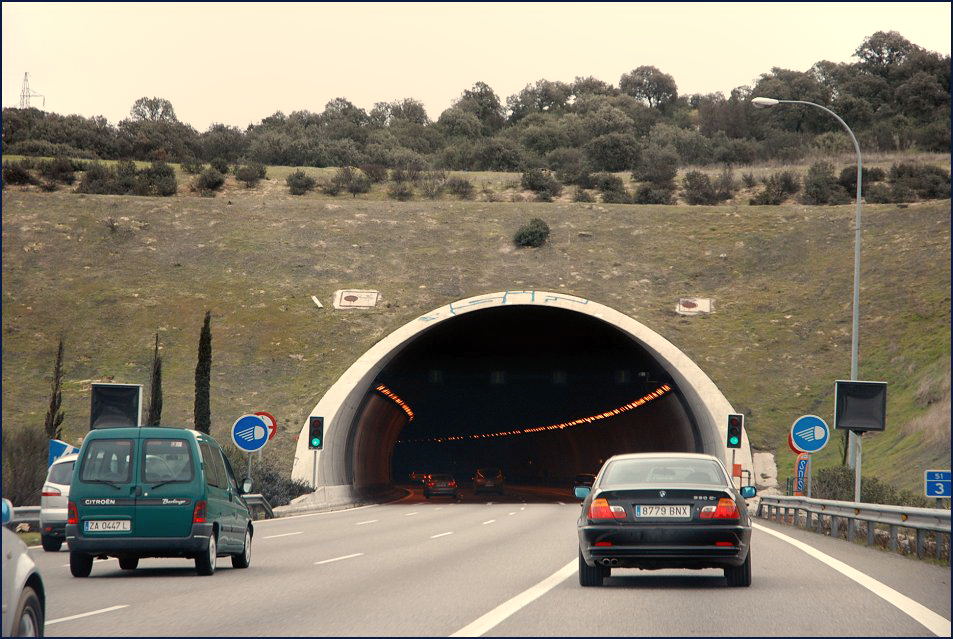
505,370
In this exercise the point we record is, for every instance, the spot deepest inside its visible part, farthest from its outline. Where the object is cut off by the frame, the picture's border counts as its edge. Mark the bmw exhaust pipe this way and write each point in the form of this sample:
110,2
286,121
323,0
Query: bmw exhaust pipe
613,562
606,562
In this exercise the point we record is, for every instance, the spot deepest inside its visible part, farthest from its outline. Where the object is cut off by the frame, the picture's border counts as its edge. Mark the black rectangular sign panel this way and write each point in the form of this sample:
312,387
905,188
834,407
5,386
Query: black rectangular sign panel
860,406
115,406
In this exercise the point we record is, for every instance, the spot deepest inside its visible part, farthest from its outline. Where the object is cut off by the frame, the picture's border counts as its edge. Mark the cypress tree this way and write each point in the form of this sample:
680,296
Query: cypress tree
155,398
54,416
203,378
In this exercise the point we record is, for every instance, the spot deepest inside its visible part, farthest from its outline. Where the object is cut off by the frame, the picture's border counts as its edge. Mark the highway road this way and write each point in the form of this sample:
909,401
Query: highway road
495,567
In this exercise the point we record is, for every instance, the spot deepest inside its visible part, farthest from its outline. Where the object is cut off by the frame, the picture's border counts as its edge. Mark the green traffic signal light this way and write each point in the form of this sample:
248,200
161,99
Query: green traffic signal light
315,442
734,441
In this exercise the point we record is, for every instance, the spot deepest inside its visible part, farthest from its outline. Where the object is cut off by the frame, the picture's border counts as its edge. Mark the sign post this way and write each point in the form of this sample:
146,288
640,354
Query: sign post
251,433
809,434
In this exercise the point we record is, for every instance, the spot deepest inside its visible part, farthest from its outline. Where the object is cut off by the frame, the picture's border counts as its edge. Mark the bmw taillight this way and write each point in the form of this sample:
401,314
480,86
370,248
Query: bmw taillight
72,515
726,509
431,484
50,491
600,509
198,514
453,484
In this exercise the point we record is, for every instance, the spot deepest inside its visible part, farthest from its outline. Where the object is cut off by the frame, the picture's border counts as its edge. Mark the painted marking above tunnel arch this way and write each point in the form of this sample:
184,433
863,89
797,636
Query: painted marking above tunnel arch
501,299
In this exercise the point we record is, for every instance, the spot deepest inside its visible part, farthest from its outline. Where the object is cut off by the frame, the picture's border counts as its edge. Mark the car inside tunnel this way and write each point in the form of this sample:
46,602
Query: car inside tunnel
541,393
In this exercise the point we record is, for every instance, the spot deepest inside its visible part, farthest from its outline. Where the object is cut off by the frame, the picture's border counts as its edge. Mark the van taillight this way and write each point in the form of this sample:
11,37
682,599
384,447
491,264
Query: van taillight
72,515
600,509
198,515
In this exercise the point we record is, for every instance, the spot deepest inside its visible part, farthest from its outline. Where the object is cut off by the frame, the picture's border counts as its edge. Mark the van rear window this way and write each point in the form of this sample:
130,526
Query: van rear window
107,460
166,460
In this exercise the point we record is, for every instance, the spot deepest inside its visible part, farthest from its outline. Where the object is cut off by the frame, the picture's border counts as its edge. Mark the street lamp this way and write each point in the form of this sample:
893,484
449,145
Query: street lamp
854,449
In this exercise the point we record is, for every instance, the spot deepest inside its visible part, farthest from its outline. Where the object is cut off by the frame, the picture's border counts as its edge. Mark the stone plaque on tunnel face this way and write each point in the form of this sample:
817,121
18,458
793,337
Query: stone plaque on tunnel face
354,298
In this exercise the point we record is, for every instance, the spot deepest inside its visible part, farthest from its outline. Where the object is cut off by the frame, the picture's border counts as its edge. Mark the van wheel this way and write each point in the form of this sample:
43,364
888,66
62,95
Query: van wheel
128,563
28,621
205,563
51,544
740,576
80,564
243,560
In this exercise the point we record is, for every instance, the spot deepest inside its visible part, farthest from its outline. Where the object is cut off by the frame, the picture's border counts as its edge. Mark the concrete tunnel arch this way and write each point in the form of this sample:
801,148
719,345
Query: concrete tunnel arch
348,402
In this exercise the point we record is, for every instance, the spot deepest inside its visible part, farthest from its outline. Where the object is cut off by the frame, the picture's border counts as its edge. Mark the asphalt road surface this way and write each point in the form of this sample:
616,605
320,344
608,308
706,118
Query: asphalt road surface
492,566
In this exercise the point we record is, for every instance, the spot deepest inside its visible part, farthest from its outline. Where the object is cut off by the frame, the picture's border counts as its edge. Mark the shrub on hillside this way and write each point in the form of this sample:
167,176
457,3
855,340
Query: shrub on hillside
698,189
57,170
220,165
192,166
125,179
848,178
249,175
24,447
878,194
542,183
653,194
432,184
401,191
838,483
375,172
748,180
17,173
821,187
99,179
47,149
924,181
300,182
460,187
580,194
358,182
725,185
156,179
658,166
569,165
209,181
267,480
534,233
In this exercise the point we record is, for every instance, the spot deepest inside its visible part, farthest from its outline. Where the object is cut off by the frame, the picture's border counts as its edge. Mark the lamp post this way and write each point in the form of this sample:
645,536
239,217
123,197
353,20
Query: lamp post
854,447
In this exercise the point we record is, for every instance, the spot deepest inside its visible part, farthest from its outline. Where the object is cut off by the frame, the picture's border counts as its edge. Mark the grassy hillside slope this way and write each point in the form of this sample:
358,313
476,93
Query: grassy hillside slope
780,276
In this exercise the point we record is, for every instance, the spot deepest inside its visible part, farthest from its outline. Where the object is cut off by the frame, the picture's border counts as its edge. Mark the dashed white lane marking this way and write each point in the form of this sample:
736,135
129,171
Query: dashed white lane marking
41,545
523,508
486,623
488,521
409,514
85,614
441,535
327,561
937,624
439,508
284,535
369,521
560,503
512,513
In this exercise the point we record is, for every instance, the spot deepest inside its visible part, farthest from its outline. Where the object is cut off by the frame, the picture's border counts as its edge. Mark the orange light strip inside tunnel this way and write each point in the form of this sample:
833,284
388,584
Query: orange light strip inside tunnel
645,399
386,392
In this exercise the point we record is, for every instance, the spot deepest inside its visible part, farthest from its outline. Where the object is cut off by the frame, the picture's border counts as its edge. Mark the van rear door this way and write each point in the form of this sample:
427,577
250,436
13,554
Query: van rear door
104,488
170,486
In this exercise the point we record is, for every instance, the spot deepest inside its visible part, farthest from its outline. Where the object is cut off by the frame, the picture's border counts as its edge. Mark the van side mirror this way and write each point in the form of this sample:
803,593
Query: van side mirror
748,491
581,492
7,511
246,485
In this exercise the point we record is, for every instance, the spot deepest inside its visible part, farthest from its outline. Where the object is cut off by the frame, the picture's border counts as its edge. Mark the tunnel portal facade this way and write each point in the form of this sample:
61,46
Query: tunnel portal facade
543,385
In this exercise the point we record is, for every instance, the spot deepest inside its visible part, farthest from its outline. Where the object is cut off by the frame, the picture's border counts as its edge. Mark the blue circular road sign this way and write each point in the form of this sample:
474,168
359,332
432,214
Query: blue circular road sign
810,433
250,433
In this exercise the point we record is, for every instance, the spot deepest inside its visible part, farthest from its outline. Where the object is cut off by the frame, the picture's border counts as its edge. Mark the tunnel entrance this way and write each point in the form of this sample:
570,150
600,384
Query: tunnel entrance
541,385
476,385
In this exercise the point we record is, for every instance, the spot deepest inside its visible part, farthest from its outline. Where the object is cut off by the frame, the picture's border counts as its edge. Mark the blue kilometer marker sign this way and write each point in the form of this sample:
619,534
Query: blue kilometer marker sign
937,483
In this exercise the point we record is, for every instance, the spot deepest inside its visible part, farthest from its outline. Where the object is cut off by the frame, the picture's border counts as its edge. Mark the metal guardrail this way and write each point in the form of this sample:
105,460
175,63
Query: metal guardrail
25,515
257,503
922,520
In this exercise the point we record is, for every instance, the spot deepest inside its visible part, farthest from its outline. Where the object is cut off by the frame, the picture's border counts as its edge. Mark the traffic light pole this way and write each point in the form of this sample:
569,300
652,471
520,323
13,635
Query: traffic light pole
314,470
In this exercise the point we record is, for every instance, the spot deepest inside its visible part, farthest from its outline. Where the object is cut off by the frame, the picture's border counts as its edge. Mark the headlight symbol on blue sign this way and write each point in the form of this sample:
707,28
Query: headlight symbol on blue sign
250,433
810,433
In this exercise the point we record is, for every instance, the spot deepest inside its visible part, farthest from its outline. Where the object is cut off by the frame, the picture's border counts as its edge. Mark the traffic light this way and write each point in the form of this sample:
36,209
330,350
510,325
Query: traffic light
735,424
316,433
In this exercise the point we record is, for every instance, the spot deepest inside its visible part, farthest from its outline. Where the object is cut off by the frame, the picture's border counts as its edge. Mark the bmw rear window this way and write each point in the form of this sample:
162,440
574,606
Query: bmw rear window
167,460
664,471
107,460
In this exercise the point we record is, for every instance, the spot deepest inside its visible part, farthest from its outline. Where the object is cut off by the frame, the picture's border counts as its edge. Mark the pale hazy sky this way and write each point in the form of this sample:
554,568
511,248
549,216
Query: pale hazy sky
237,63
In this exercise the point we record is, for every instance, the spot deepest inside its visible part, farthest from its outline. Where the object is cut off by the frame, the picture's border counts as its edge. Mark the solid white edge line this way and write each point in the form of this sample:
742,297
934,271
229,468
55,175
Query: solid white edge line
31,547
441,535
491,619
327,561
369,521
300,532
326,512
488,521
409,514
84,614
937,624
512,513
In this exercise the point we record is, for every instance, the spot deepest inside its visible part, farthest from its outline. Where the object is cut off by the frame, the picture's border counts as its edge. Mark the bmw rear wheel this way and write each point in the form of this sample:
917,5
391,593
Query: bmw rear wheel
243,560
205,562
740,576
591,575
